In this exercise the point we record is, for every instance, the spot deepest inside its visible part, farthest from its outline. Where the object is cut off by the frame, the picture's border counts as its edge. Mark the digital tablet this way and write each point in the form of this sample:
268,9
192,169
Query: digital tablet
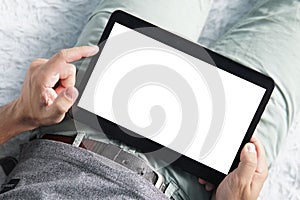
172,99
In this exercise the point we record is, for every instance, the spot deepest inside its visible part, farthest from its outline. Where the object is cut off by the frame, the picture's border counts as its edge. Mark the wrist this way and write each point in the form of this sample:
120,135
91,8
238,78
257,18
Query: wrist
13,121
22,116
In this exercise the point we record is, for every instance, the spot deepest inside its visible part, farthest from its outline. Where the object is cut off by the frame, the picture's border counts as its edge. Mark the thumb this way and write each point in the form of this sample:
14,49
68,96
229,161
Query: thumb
63,103
248,163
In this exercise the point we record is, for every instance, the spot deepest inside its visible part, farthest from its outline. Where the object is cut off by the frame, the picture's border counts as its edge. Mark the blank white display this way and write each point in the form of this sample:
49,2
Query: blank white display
241,99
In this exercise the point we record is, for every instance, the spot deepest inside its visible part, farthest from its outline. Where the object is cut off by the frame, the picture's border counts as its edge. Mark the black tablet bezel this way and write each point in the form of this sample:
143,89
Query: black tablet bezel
190,48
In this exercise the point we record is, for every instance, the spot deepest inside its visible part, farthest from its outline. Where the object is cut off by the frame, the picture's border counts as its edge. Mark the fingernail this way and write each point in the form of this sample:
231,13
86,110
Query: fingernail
94,50
251,148
71,93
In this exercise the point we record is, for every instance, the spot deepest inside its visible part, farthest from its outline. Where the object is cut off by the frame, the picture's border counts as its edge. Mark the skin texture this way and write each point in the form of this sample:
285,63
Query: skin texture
48,93
247,180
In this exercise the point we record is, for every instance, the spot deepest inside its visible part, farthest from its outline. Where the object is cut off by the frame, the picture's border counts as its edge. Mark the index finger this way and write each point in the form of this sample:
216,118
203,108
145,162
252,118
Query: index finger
75,53
58,68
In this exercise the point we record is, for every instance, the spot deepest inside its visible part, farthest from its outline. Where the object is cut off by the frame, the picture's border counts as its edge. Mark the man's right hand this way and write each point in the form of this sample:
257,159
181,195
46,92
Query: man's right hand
47,94
48,90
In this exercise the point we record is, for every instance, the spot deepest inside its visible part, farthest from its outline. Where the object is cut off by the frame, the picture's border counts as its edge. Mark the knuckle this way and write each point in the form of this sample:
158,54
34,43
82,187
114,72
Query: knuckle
38,61
34,64
250,164
62,54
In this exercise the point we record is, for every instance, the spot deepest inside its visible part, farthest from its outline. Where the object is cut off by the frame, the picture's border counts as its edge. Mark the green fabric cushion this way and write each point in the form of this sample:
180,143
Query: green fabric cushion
268,40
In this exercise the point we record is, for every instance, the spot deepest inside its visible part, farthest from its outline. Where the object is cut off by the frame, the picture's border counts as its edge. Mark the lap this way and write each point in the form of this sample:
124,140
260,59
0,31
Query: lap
260,40
185,18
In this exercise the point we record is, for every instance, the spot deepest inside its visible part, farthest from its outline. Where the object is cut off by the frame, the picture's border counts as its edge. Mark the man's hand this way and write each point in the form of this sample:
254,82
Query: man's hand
47,94
48,90
246,181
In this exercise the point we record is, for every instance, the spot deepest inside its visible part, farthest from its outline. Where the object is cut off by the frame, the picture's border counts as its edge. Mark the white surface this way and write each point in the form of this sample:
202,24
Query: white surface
31,29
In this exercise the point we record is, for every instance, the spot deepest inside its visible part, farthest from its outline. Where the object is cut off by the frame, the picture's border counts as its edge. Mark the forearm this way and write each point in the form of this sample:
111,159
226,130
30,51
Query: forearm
12,121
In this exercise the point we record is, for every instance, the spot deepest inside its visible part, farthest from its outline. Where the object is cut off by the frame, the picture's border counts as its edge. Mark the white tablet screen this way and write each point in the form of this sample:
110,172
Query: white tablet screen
164,94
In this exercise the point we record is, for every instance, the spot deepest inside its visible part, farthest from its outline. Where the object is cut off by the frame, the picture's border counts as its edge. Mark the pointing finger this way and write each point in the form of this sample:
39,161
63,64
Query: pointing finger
58,68
76,53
